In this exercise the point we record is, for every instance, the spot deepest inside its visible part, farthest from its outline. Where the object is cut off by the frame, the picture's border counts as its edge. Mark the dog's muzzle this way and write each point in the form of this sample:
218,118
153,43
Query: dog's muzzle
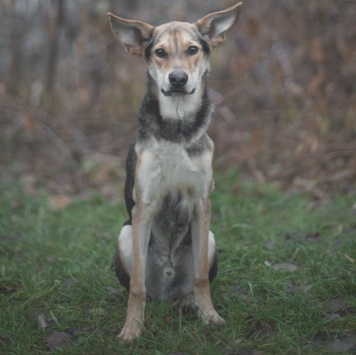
178,80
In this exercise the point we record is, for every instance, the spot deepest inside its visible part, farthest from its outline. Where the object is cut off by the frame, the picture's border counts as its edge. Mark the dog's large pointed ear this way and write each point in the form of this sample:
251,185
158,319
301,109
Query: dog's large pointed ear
214,26
134,35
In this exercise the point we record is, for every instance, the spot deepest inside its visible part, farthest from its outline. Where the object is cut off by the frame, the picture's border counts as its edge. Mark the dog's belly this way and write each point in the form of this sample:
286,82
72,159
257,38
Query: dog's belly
167,167
170,269
169,275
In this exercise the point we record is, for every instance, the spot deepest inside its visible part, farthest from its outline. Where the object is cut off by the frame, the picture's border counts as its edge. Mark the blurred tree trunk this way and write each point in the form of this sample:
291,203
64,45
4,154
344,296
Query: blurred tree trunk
54,36
16,49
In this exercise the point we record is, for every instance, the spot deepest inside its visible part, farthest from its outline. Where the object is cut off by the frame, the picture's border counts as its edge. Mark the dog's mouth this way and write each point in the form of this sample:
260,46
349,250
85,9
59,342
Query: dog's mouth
176,92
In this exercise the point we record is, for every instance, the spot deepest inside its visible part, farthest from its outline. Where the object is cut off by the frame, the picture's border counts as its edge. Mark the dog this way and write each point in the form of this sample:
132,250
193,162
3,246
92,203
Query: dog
166,249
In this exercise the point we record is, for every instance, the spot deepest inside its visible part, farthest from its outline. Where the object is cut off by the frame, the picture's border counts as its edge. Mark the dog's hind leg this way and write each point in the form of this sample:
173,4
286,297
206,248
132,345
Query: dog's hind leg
123,256
212,257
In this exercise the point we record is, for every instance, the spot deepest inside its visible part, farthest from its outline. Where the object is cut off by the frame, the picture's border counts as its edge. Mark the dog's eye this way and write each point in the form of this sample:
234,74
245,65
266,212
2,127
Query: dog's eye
161,53
192,50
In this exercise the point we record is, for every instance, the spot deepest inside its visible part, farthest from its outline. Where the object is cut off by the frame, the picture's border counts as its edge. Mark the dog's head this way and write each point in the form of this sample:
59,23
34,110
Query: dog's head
177,53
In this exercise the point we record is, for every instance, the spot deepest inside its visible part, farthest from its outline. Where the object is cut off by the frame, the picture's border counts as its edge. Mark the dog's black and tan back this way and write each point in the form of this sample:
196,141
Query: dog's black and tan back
166,249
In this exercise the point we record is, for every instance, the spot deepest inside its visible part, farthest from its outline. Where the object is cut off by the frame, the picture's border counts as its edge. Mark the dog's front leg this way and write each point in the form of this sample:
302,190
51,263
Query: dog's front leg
200,240
141,231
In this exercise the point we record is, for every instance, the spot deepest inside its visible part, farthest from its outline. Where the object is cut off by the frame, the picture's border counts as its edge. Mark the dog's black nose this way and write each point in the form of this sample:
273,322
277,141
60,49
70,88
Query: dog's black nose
178,79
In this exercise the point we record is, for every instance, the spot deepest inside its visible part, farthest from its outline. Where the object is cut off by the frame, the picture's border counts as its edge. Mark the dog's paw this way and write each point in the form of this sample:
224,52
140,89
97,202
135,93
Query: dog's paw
130,332
188,304
212,318
216,320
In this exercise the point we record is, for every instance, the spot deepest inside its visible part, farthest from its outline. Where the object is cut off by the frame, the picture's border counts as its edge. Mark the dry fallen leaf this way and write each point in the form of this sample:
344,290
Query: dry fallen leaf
5,338
59,340
58,202
336,305
312,237
348,258
113,291
68,282
291,287
16,204
258,328
42,322
238,341
50,259
339,345
99,311
270,244
307,237
332,317
286,267
168,320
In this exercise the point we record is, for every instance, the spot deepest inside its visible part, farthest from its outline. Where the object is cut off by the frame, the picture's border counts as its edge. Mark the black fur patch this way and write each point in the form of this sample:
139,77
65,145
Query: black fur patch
130,180
204,44
148,50
121,273
214,268
200,146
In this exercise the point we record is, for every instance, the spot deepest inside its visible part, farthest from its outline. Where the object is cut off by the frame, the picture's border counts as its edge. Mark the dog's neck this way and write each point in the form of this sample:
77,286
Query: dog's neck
182,119
180,107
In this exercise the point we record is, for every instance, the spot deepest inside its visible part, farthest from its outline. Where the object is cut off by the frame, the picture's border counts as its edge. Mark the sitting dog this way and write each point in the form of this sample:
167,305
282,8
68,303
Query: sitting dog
166,249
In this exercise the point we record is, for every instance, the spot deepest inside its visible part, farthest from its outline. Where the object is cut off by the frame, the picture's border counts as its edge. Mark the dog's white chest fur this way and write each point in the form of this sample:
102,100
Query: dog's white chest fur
166,166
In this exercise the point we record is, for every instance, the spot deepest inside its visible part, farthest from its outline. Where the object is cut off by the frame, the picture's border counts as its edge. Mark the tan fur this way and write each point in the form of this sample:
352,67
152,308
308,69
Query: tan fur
137,296
175,39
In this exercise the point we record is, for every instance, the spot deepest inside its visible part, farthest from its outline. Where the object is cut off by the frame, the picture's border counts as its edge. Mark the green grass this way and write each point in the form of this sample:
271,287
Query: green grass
59,264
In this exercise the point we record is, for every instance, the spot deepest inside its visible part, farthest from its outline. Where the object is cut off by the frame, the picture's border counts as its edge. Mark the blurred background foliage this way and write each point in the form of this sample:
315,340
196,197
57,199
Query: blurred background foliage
283,85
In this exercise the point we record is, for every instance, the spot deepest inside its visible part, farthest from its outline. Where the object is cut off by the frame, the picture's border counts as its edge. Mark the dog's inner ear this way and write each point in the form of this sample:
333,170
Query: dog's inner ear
214,26
134,35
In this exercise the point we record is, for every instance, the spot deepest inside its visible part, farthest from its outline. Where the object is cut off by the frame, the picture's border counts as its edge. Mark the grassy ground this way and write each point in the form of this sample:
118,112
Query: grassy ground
286,284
